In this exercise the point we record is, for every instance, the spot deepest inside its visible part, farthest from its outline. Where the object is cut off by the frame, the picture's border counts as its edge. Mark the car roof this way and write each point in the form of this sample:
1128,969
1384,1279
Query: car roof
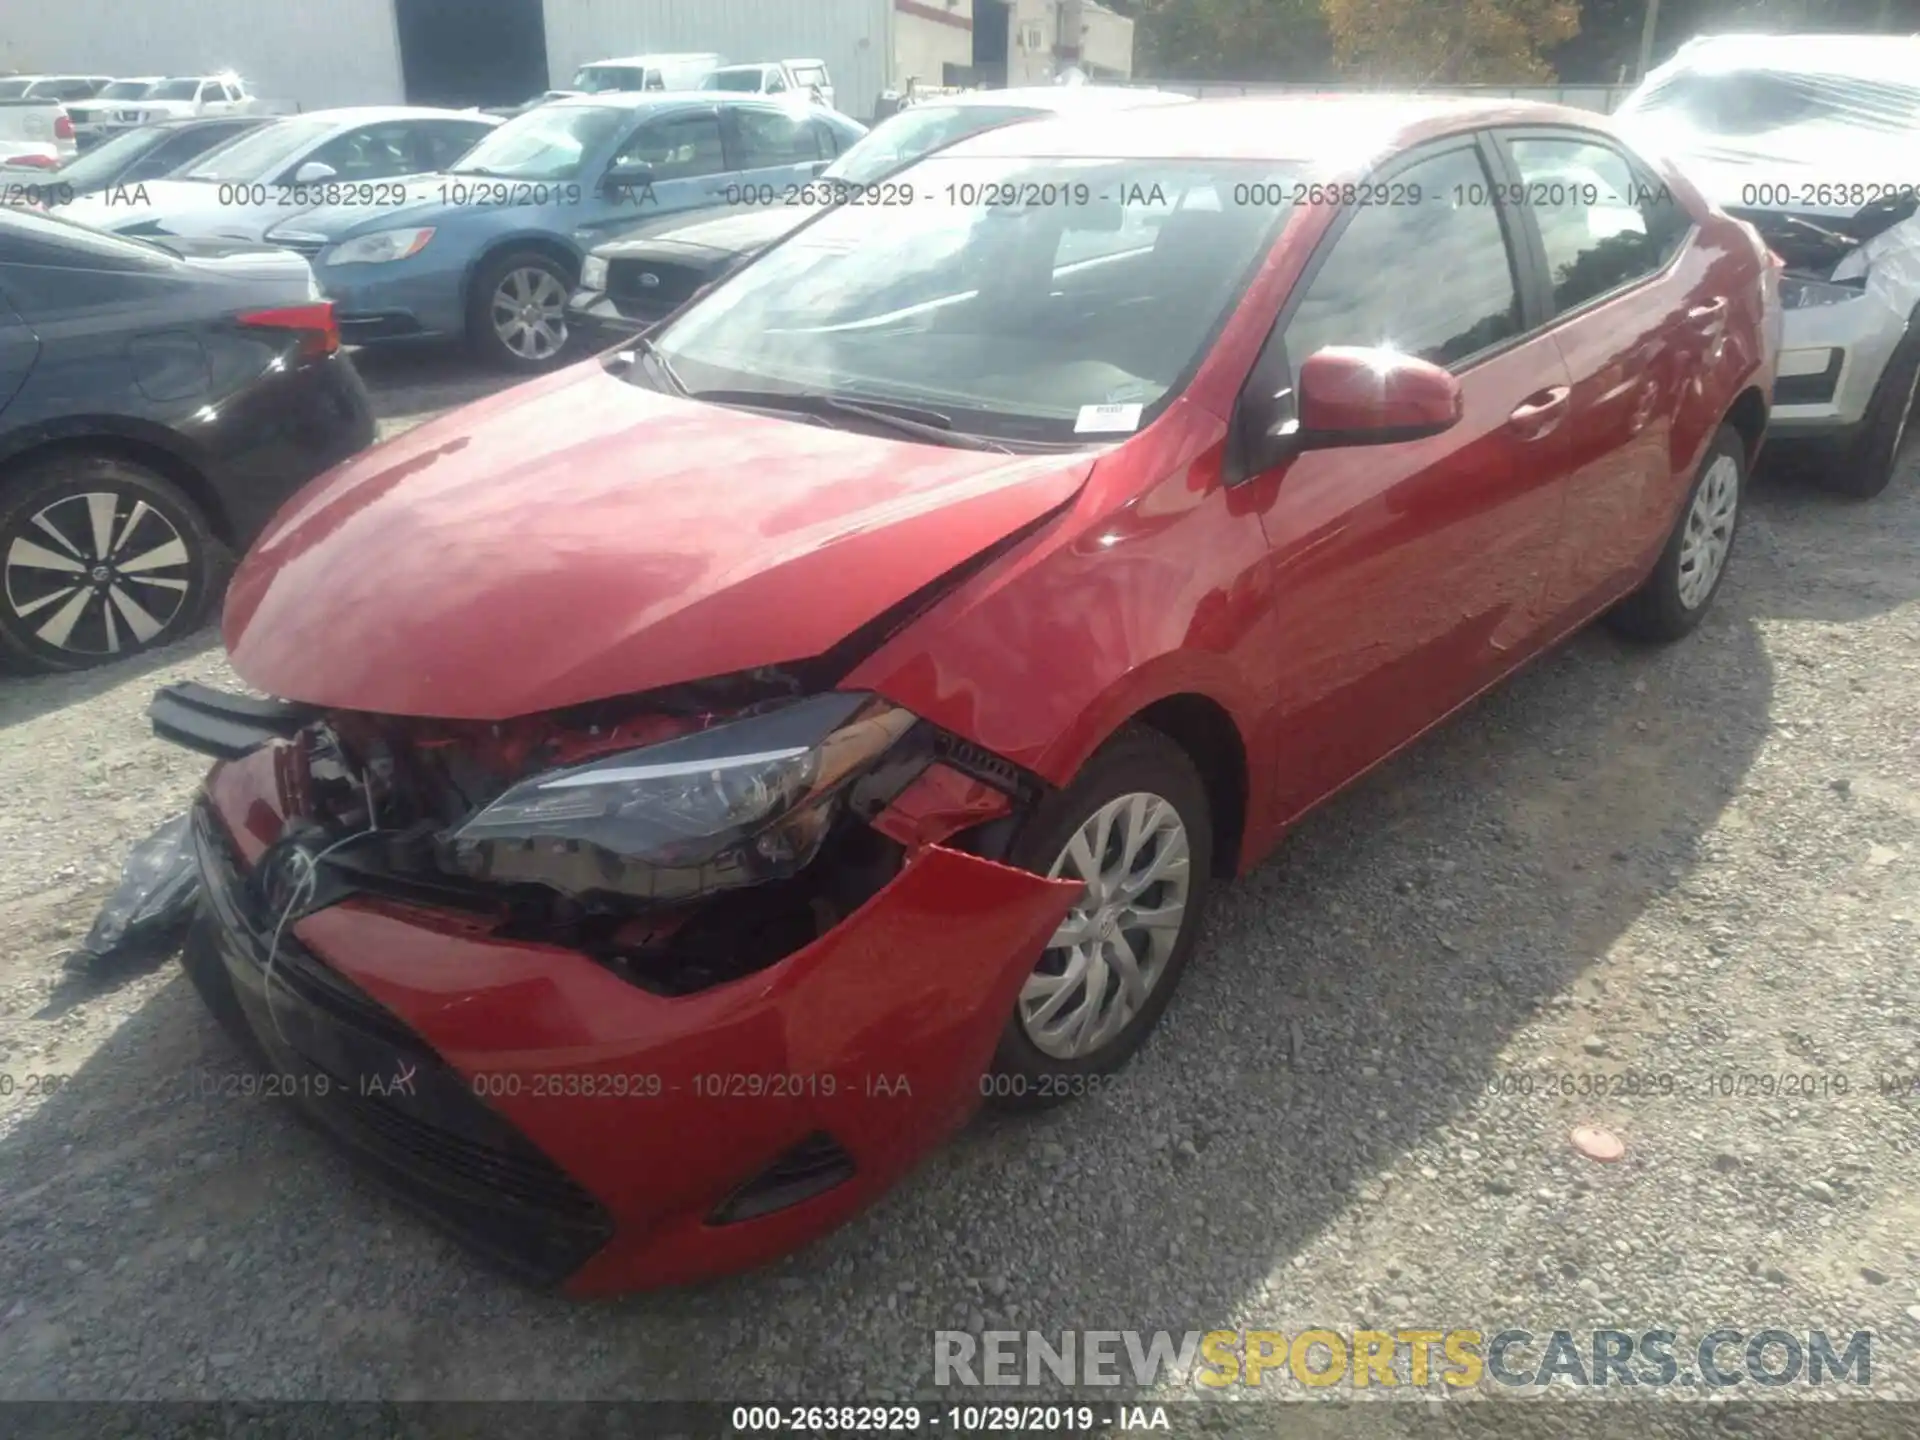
1324,130
1890,57
651,59
365,114
1061,99
678,99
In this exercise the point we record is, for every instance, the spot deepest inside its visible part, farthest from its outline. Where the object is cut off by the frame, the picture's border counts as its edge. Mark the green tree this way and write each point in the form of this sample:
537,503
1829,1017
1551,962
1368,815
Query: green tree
1228,39
1452,42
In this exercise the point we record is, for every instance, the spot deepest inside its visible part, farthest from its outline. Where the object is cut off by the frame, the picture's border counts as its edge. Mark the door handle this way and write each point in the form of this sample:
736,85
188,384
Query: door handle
1712,310
1540,412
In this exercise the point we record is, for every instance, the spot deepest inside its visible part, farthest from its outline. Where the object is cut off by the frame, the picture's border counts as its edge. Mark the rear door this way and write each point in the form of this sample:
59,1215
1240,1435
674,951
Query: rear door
773,147
1627,321
19,347
1409,576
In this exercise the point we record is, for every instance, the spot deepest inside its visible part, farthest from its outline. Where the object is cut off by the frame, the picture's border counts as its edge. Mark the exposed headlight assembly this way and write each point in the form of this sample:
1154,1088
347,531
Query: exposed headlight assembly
1800,294
593,273
380,247
737,804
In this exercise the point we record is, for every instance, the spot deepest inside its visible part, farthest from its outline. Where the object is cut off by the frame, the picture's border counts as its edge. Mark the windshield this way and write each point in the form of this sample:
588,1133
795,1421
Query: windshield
173,90
13,89
605,79
551,143
258,155
1739,103
125,90
1103,289
745,81
102,165
913,133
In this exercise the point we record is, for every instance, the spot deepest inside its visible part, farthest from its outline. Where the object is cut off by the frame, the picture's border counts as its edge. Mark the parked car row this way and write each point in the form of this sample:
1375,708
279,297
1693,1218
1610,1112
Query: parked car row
641,74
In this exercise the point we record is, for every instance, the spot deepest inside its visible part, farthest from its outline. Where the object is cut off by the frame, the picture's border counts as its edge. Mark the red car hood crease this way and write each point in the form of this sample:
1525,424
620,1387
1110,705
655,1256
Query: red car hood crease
580,538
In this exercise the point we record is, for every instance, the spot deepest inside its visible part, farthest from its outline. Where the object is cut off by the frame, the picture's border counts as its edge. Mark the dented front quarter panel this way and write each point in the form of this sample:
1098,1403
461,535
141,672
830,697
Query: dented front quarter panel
877,1033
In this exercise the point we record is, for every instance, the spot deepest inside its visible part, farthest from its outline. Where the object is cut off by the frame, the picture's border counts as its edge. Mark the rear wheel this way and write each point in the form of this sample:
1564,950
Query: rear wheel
1687,575
100,557
1136,828
517,313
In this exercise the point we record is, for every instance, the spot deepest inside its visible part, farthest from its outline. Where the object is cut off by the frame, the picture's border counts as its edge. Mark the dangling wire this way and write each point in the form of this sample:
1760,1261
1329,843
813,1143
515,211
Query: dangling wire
303,891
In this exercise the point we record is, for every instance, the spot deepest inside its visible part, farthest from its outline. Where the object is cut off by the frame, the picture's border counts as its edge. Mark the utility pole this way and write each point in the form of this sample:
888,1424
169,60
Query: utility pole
1646,39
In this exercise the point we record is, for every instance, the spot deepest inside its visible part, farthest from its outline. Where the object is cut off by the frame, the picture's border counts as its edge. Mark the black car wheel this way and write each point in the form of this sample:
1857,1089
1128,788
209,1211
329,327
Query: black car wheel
517,313
99,558
1136,827
1864,465
1686,577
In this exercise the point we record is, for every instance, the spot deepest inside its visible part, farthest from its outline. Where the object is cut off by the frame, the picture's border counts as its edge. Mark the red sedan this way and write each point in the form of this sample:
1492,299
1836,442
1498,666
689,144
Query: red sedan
701,776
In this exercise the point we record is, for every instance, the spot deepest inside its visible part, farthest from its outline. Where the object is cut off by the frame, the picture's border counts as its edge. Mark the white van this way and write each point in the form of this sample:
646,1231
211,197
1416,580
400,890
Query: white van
645,72
775,77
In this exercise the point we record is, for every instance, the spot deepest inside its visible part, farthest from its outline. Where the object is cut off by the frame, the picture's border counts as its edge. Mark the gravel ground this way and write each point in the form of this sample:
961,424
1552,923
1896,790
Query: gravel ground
1690,863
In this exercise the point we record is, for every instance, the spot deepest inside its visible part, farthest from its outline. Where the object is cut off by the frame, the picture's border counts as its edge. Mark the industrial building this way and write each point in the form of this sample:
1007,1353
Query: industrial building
492,52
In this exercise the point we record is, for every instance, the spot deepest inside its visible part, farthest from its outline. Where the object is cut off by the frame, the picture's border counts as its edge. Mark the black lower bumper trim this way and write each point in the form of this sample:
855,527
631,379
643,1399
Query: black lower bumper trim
220,724
359,1074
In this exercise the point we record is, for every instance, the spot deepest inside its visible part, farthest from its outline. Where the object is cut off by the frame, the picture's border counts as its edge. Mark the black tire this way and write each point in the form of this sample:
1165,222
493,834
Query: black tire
1864,465
1656,612
1138,759
149,517
482,336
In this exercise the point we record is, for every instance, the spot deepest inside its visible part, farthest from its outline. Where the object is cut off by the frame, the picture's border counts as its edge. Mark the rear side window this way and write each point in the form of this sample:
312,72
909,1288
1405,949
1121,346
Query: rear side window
1432,277
677,147
1601,223
769,137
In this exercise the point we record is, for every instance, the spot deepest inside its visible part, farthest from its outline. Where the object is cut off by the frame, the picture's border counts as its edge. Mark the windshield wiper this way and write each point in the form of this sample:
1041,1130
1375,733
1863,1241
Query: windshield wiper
906,419
643,346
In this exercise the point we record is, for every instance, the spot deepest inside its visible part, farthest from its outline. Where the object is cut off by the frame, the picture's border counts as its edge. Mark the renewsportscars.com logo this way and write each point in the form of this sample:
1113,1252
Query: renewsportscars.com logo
1413,1357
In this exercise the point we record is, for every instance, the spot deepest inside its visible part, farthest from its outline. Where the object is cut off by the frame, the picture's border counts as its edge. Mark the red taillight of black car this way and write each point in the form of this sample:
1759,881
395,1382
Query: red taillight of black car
319,329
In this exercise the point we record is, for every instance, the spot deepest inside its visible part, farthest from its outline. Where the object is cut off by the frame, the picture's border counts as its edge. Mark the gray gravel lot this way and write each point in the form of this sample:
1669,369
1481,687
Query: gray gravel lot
1693,863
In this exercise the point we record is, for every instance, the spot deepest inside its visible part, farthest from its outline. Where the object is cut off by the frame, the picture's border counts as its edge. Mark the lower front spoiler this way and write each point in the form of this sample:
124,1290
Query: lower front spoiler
613,1121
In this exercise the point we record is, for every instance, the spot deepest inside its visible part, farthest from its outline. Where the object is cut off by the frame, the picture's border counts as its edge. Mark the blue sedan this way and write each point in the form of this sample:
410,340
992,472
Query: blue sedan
489,250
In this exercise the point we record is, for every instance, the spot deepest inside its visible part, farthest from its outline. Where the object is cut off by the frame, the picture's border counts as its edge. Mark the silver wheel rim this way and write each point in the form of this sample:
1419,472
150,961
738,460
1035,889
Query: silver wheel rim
530,313
1709,531
97,573
1112,950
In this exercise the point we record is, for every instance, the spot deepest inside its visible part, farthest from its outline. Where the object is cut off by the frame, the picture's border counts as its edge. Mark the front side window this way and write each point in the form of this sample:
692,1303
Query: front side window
1431,278
1008,319
677,147
1601,225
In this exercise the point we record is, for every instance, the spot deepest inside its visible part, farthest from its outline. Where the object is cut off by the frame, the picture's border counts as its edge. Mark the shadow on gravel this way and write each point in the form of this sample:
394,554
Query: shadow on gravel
1352,998
1847,559
27,697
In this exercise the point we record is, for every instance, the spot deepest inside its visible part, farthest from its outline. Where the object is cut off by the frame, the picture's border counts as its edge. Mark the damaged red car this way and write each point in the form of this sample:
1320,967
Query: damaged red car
695,780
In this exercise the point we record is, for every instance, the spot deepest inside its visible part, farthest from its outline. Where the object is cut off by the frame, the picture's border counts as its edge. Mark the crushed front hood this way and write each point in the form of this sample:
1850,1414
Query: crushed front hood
580,538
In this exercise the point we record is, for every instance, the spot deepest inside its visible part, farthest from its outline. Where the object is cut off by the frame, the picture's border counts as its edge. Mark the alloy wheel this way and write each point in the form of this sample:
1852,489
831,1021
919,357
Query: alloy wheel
1110,952
97,573
529,313
1709,531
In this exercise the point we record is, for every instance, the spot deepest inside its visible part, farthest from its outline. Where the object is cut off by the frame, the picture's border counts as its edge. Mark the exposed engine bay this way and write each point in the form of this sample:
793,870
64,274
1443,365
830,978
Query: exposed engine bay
682,838
1816,246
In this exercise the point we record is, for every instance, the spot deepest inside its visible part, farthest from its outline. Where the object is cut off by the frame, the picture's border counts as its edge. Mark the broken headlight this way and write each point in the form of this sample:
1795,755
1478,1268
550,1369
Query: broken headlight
736,804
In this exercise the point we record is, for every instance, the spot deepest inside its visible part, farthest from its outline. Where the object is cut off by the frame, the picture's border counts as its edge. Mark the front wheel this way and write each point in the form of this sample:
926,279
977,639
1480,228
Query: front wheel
517,313
1687,576
1135,827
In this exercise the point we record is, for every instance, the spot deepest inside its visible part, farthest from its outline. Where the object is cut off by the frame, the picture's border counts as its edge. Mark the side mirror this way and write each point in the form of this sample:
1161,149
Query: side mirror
1349,395
637,176
314,172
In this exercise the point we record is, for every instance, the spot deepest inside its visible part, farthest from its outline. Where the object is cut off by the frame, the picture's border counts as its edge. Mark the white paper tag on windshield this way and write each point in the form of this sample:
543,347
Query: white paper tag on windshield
1108,419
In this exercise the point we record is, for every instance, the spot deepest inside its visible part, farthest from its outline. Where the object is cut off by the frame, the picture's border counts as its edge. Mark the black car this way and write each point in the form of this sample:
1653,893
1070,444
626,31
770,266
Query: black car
145,153
157,404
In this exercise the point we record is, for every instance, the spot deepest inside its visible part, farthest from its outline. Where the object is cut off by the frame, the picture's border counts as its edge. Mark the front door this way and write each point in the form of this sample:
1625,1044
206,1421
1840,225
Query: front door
1409,576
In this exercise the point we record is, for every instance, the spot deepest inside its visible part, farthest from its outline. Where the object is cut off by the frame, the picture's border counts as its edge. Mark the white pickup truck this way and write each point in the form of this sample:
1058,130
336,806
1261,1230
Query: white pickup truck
775,77
185,97
35,132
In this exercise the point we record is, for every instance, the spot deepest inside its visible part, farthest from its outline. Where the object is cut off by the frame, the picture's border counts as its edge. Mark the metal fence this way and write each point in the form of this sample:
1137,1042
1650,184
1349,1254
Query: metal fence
1602,98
